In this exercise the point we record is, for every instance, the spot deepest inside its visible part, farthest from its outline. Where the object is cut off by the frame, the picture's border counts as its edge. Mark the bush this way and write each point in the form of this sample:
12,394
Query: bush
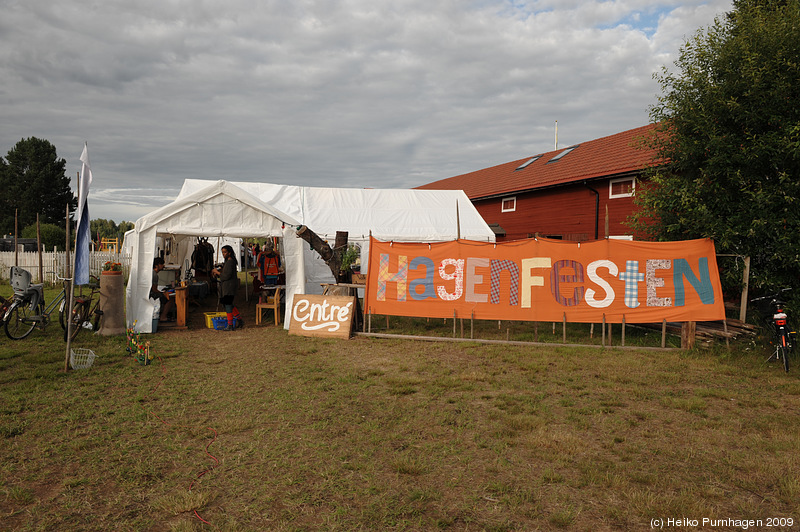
52,235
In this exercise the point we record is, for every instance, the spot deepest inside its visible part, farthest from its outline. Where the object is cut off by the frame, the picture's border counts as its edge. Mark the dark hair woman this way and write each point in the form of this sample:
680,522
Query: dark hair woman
228,284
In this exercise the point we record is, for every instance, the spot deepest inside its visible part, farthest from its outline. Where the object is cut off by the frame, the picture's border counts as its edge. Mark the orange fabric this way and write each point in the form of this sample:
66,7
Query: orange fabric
544,280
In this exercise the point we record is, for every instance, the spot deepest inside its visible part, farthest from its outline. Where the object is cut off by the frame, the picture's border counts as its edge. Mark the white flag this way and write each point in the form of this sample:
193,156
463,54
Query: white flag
82,236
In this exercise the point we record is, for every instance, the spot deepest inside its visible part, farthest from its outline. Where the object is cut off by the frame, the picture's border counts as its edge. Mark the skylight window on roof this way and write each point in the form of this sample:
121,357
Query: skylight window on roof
526,163
562,154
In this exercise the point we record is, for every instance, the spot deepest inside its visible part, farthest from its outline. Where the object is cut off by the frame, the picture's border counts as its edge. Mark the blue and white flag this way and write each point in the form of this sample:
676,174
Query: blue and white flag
83,237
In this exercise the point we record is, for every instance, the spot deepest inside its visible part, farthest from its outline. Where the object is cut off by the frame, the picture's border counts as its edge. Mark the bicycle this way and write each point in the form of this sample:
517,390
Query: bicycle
27,308
779,322
83,310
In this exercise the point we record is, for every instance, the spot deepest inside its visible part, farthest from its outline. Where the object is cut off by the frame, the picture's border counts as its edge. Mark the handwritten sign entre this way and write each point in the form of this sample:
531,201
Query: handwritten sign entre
329,316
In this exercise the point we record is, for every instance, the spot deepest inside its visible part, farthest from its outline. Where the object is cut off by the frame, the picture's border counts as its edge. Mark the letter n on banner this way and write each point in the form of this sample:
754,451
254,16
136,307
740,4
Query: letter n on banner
385,276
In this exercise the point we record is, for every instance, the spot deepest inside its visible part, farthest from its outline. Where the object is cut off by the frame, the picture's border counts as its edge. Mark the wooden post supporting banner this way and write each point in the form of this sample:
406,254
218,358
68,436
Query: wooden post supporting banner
564,329
623,330
727,339
603,341
688,330
664,333
472,325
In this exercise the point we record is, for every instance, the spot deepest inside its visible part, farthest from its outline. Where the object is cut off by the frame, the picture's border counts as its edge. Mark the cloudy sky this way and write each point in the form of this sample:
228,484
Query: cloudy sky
352,93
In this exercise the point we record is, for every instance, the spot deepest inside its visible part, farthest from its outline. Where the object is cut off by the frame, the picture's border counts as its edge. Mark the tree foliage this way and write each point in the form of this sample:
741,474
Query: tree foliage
52,236
729,131
33,181
109,229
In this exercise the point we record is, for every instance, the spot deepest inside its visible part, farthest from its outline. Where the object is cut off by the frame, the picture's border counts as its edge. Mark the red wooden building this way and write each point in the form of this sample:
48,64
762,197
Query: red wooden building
570,193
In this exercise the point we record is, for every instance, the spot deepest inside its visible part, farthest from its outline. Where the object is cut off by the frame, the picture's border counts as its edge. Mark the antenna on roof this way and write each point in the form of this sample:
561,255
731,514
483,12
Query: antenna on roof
556,135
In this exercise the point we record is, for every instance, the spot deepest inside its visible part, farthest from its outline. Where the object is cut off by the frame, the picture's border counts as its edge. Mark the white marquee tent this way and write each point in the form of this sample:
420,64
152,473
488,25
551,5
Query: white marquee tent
257,210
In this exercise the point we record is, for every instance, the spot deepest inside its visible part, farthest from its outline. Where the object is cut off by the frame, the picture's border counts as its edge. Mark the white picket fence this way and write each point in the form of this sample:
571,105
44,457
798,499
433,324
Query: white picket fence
55,262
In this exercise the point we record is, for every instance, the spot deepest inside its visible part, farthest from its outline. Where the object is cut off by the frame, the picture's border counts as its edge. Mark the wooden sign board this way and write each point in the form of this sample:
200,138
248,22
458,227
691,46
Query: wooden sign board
328,316
359,278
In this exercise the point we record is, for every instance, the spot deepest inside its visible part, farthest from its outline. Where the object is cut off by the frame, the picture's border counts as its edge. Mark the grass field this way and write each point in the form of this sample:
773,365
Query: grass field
259,430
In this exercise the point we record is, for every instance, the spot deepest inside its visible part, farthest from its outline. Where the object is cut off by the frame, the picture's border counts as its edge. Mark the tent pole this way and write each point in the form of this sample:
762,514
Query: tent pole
458,223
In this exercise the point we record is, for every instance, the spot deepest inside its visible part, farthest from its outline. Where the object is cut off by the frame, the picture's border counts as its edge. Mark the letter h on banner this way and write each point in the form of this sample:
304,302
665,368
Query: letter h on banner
400,277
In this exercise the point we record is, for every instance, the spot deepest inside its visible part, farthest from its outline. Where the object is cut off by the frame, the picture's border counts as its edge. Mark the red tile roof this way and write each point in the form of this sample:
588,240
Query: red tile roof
616,154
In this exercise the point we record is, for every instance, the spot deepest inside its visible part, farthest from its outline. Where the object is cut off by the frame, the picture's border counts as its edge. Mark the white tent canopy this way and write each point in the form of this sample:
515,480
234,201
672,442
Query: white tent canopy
218,210
258,210
390,214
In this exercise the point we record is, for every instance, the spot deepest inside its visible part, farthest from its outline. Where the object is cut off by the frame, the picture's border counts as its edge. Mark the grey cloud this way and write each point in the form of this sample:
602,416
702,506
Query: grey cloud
353,93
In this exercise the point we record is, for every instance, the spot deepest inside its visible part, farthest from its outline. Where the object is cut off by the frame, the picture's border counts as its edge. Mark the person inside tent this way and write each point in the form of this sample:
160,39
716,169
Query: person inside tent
269,265
167,303
228,284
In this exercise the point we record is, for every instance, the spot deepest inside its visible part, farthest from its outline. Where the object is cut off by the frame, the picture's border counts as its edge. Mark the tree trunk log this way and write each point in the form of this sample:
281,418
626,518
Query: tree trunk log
332,257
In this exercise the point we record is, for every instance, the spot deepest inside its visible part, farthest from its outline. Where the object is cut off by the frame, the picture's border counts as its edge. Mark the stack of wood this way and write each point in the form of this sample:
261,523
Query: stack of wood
707,331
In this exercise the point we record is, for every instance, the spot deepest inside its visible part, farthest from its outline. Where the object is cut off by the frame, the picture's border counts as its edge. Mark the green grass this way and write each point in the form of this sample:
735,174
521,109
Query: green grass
375,434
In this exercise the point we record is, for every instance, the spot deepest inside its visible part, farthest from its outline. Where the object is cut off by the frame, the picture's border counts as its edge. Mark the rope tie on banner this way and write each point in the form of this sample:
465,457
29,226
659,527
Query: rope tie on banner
214,458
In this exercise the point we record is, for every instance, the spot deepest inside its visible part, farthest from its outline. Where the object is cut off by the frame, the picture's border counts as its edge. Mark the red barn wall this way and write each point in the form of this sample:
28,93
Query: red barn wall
566,212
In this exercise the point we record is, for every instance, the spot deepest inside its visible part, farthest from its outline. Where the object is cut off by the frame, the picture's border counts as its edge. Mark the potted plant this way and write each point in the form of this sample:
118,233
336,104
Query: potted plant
111,266
351,256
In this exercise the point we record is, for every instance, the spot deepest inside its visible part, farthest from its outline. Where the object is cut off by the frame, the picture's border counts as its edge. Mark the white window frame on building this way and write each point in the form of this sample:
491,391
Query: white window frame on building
512,200
611,183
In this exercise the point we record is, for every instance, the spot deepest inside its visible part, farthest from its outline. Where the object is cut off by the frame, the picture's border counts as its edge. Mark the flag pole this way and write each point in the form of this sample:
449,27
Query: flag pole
68,310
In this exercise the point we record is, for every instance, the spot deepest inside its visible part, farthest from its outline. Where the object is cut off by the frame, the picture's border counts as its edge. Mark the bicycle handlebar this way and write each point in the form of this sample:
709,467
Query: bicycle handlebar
772,296
55,274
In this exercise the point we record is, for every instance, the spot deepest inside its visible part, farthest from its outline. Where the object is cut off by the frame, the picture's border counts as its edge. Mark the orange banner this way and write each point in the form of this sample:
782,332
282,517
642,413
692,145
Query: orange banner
546,280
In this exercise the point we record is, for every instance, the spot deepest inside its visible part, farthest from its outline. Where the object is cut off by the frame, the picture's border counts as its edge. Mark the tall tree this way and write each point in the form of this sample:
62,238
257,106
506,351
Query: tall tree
33,181
729,132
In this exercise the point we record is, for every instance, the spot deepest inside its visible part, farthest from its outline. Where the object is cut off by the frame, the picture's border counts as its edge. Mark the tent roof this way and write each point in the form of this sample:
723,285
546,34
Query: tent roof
219,208
391,214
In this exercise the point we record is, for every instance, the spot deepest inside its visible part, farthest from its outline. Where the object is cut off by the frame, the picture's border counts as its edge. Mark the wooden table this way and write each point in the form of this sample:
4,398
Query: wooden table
180,309
350,289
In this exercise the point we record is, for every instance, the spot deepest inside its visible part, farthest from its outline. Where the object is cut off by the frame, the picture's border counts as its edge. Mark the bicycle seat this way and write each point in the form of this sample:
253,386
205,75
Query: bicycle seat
21,283
20,280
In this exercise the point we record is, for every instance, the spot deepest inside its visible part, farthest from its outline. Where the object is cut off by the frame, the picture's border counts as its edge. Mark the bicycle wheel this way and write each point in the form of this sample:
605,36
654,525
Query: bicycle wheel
783,348
19,323
79,314
97,317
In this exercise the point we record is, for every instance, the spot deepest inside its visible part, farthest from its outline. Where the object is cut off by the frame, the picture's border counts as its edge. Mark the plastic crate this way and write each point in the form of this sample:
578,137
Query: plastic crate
222,322
210,316
81,358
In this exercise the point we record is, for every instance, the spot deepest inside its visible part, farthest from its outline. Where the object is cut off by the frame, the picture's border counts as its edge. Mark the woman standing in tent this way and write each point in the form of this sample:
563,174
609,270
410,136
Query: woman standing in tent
228,284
